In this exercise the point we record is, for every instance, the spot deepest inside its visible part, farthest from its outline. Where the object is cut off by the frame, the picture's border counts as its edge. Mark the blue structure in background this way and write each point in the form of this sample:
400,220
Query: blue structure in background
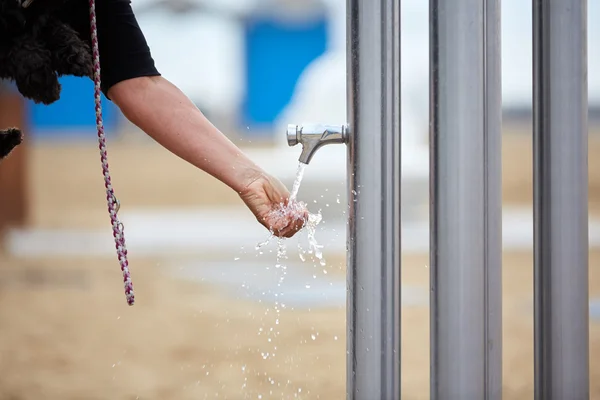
74,115
276,54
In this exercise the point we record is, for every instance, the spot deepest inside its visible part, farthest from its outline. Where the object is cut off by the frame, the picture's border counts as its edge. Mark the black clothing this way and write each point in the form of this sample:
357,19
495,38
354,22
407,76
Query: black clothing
124,53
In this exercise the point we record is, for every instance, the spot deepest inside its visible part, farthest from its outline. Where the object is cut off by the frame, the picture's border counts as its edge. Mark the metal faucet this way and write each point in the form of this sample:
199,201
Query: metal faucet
313,137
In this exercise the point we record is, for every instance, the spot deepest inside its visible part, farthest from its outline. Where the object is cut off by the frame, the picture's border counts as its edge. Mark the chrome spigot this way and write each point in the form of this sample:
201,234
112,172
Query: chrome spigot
313,137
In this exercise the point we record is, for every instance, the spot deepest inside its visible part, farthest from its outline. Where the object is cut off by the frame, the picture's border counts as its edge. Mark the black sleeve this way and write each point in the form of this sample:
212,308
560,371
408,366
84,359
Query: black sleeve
124,53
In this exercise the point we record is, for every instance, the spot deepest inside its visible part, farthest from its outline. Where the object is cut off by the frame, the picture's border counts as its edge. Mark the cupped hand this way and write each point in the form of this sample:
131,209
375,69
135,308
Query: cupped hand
268,199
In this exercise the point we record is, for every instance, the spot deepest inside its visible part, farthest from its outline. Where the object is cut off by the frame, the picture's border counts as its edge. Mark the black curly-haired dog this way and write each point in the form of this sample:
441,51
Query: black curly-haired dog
36,48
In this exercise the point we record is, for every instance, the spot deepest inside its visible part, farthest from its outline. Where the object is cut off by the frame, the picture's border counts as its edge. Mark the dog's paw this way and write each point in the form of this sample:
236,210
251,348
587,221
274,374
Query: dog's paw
41,86
38,81
9,139
78,63
35,78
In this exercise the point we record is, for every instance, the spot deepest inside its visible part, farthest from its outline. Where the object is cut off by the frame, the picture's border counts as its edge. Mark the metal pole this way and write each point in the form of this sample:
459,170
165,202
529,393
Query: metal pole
560,199
465,208
373,68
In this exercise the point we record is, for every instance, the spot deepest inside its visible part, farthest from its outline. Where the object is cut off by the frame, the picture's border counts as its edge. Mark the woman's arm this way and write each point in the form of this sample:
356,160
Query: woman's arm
161,110
166,114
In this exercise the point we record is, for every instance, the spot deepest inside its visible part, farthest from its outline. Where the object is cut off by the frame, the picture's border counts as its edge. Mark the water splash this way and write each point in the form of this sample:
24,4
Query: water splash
272,332
265,242
294,210
311,228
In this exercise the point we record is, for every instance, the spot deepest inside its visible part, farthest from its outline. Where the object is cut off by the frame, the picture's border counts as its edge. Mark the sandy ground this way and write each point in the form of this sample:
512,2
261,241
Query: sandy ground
66,332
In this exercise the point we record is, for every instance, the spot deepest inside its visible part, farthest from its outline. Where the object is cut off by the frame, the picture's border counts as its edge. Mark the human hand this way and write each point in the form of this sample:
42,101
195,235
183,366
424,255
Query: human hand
268,199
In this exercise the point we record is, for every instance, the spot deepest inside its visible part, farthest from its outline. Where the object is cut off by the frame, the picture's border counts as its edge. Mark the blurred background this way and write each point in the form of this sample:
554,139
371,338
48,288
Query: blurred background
216,317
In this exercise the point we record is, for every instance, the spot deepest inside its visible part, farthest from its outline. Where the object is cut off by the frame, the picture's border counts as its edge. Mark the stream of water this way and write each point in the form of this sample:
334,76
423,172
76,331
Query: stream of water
296,210
297,182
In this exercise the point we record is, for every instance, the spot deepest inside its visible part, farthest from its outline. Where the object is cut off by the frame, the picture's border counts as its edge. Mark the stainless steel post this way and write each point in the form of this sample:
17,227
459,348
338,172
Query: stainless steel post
373,69
560,199
466,208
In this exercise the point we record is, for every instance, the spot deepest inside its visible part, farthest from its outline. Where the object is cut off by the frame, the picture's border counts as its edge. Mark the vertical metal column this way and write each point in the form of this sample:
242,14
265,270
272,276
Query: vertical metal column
466,208
373,68
560,199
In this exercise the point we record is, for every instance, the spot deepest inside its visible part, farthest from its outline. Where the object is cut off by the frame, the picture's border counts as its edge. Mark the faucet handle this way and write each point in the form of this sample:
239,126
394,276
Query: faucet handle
292,135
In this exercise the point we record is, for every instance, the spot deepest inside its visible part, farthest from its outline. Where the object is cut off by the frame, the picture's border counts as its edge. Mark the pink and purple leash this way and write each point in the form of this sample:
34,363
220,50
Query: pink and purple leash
113,202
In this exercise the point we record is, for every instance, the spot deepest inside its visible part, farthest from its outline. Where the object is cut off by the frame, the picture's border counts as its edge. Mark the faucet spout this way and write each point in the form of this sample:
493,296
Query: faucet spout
313,137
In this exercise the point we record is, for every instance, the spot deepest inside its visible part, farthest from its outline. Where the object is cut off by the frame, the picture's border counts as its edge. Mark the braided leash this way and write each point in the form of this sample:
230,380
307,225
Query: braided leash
113,202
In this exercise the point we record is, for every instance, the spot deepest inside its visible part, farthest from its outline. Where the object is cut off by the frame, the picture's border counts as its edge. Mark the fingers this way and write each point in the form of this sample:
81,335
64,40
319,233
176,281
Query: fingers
286,226
277,192
294,225
292,229
285,220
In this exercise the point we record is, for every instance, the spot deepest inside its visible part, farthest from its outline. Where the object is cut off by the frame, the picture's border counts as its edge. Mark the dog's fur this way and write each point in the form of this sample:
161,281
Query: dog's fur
9,139
36,48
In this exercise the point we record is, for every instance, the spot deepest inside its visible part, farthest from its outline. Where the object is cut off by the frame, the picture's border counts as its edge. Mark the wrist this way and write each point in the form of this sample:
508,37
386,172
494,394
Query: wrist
244,172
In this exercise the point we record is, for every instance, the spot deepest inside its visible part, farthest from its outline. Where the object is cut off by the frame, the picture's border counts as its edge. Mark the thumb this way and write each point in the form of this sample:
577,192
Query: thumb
276,191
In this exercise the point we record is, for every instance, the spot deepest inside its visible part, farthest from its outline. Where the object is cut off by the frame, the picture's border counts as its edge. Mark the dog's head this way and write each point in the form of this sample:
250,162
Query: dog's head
9,139
42,6
14,13
12,18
